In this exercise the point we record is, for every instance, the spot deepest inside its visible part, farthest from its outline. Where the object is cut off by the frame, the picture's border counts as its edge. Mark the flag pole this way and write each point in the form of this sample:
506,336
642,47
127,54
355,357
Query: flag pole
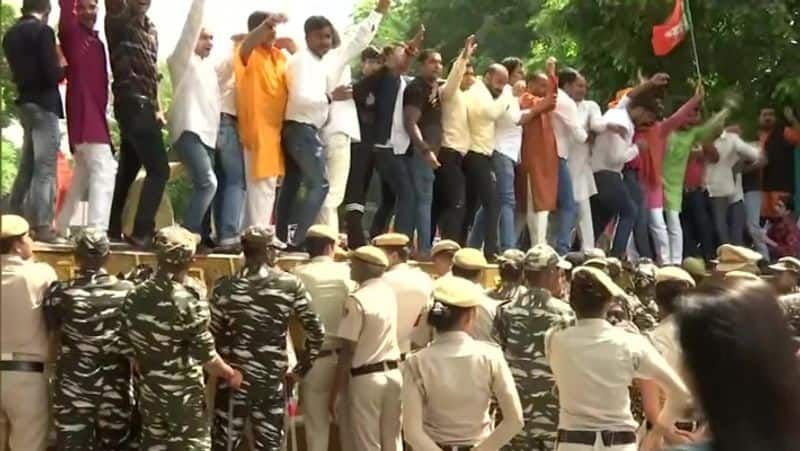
694,42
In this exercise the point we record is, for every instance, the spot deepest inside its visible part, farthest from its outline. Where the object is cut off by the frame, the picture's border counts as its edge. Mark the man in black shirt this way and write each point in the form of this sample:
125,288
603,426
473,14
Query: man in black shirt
30,48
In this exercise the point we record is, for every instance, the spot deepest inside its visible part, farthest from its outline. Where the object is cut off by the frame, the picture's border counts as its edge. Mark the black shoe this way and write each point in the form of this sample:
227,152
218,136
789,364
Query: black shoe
228,249
142,244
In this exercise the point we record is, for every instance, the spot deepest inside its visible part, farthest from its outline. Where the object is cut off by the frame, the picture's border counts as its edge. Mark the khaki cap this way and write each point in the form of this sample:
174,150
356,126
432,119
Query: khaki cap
175,245
736,258
600,263
789,264
13,226
457,292
92,242
390,239
741,275
323,231
445,246
673,274
600,277
470,259
371,255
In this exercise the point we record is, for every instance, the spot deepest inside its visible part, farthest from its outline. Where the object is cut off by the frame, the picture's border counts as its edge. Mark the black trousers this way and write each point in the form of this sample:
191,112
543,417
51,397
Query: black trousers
613,199
641,234
362,167
449,196
482,191
698,229
141,146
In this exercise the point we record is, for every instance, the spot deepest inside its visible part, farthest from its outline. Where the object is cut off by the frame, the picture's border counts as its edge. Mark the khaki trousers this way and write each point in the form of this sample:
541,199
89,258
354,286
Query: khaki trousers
376,411
315,394
24,410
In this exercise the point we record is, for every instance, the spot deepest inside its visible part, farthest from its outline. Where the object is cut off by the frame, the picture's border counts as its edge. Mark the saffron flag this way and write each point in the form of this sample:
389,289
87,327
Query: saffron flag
668,35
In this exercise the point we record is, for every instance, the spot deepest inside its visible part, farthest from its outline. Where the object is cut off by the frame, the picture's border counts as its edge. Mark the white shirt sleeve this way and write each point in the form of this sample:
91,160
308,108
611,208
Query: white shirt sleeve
649,364
744,150
596,122
413,410
182,54
567,113
354,40
505,390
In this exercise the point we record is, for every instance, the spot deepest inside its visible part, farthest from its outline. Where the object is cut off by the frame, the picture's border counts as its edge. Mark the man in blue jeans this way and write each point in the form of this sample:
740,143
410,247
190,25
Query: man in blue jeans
30,48
307,111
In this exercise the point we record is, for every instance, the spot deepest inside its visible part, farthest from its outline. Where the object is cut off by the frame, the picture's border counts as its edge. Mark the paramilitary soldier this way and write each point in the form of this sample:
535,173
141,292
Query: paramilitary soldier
93,403
510,268
165,330
520,328
250,318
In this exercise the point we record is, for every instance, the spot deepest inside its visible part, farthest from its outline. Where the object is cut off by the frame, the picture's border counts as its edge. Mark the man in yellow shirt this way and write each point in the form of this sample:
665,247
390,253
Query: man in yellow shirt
261,96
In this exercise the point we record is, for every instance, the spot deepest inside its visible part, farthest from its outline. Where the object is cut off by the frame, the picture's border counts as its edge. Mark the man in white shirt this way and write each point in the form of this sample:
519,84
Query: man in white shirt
594,364
229,203
194,116
721,184
486,101
307,111
328,282
611,150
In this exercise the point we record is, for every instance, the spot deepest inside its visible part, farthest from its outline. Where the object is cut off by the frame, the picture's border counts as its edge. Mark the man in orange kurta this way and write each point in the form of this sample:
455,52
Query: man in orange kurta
537,173
261,95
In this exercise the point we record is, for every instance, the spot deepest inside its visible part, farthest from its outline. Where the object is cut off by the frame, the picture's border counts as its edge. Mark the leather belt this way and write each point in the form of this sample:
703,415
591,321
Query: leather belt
23,366
455,447
328,353
610,438
688,426
379,367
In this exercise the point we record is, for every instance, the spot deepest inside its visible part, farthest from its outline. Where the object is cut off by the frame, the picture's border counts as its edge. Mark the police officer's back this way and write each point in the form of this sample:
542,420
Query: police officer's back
93,389
250,314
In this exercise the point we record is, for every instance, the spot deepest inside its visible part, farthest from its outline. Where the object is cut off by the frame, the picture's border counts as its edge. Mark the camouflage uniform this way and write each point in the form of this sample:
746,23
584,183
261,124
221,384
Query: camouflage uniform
507,291
520,327
791,306
93,399
165,330
249,317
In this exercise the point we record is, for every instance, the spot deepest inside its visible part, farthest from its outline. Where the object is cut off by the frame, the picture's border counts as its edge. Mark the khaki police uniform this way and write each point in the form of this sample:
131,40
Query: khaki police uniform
375,385
594,363
449,386
328,282
737,258
486,310
24,346
412,288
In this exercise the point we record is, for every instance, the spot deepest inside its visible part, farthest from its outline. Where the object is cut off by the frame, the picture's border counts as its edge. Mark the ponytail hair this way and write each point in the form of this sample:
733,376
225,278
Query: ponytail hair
444,317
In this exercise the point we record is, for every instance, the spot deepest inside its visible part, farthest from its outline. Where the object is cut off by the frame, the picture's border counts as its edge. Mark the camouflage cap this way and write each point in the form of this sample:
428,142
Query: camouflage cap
92,242
595,253
175,245
262,236
695,266
511,257
541,257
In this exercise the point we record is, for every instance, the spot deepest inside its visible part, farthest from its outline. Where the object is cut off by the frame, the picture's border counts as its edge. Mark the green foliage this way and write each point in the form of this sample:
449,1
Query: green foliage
8,93
9,157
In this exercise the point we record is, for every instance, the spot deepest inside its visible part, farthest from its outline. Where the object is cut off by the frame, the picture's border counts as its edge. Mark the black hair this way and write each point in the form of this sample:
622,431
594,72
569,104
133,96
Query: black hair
370,53
469,274
511,63
788,201
510,273
255,19
315,245
35,6
567,77
667,294
444,317
315,23
425,54
740,354
255,251
587,296
403,252
650,103
575,258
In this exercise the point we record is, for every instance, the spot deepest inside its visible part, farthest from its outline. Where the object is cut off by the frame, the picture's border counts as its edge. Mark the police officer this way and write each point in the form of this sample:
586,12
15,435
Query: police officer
250,318
442,257
469,263
510,267
165,331
594,363
520,328
736,258
23,338
449,386
93,402
328,282
787,279
369,360
411,286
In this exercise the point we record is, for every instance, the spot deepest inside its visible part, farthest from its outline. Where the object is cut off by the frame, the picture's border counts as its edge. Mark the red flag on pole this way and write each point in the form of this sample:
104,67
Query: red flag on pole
668,35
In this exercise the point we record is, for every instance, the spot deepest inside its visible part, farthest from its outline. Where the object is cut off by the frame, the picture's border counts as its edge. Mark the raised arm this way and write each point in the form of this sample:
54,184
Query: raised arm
357,38
259,35
680,117
456,74
182,54
68,18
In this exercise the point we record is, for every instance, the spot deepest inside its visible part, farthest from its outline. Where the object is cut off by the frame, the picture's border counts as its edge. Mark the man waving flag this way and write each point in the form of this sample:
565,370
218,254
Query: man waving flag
668,35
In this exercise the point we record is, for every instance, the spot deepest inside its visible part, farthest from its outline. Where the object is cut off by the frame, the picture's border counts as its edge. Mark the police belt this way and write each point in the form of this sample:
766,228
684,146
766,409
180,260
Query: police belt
380,367
328,353
20,365
610,438
455,447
